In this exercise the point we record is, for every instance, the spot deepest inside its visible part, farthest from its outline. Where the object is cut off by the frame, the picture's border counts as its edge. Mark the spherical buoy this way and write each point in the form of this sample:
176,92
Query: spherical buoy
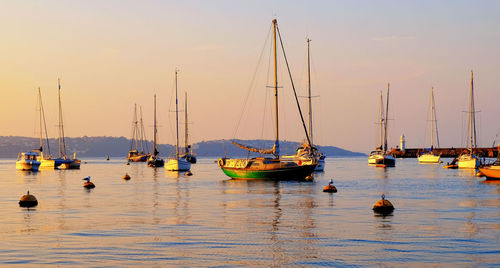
309,178
128,163
383,206
88,184
126,177
189,173
330,188
28,200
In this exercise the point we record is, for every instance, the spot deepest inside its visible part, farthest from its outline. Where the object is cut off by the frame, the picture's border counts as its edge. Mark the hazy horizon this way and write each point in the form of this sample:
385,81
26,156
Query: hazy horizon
110,55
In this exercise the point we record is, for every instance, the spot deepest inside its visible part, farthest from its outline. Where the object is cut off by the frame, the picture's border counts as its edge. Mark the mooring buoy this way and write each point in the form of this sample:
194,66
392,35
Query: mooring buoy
189,173
28,200
126,177
330,188
383,206
88,184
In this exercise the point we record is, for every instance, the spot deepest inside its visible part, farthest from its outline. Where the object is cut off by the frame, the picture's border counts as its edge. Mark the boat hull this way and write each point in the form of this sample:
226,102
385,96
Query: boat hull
155,162
321,165
469,161
180,164
27,165
137,158
491,172
429,158
381,160
267,169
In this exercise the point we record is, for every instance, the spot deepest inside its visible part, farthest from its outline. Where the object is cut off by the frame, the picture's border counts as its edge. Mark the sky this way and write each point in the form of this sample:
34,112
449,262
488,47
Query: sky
113,54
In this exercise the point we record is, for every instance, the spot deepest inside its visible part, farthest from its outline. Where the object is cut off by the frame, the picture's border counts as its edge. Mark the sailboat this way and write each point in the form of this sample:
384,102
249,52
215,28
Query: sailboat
429,156
274,168
63,161
46,161
306,151
154,159
469,159
177,163
188,151
137,135
380,157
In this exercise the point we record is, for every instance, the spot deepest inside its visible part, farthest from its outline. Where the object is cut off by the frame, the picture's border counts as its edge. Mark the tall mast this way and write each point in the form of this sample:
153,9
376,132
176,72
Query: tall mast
186,122
381,120
40,114
432,117
276,142
386,118
62,144
142,132
176,119
155,153
136,127
309,90
472,115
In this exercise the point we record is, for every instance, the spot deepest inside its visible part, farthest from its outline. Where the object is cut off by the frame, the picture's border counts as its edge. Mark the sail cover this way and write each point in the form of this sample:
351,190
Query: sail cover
256,150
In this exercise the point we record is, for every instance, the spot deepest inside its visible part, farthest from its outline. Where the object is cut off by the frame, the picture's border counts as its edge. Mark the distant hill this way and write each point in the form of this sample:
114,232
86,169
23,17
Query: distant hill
85,146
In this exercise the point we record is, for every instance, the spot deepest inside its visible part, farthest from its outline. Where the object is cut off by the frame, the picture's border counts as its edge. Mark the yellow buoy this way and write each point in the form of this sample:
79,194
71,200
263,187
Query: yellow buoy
28,200
479,174
126,177
189,173
383,206
330,188
88,184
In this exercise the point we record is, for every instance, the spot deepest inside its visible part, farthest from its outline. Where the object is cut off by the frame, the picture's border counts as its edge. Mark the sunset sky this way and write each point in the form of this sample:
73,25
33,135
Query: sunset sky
112,54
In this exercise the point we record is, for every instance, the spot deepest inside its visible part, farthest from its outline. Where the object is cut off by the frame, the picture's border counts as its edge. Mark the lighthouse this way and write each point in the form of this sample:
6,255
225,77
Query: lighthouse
402,142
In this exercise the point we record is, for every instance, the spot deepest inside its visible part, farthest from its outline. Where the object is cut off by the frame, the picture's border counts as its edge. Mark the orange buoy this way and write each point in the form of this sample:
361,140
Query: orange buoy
189,173
383,206
88,184
28,200
330,188
126,177
479,174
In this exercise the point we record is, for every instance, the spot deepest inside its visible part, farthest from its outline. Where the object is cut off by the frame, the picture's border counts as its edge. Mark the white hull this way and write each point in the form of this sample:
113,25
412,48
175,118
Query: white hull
429,158
177,165
468,161
379,158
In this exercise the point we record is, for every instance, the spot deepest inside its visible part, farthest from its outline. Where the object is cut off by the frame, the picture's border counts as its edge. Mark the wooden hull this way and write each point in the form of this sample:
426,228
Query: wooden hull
491,172
138,158
268,169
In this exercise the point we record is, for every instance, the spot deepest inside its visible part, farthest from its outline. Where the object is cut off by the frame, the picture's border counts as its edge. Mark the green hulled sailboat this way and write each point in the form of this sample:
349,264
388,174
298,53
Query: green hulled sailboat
270,167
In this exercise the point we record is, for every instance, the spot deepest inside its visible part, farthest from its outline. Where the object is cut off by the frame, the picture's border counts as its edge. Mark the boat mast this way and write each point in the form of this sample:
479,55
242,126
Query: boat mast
155,153
381,120
62,143
276,142
386,117
135,136
309,90
432,117
186,123
40,114
142,132
472,115
176,119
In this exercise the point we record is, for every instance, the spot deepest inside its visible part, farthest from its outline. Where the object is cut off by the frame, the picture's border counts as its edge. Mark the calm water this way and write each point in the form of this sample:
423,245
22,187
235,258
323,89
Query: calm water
442,217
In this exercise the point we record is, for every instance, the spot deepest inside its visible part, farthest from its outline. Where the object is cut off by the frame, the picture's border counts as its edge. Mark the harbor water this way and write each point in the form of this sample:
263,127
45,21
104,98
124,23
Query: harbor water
159,218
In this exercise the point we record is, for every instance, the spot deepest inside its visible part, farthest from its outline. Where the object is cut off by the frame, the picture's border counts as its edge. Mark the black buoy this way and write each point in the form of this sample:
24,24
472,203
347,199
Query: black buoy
128,163
107,157
330,188
88,184
28,200
126,177
383,206
189,173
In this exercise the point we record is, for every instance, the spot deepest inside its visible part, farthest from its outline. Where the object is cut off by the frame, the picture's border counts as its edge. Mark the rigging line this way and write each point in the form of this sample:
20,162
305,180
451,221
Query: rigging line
495,139
252,81
44,123
266,91
293,87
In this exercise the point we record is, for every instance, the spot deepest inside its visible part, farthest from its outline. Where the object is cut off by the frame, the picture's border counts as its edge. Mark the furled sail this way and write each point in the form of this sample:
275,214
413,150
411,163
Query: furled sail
256,150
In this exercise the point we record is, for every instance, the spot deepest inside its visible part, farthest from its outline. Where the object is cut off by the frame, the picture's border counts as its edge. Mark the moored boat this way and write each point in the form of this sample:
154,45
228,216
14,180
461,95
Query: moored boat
380,157
491,172
27,161
154,159
274,168
428,156
137,139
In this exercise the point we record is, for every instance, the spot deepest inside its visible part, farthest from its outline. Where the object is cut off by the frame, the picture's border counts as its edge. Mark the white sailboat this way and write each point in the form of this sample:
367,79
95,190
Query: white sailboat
177,163
428,157
307,151
46,161
469,159
380,157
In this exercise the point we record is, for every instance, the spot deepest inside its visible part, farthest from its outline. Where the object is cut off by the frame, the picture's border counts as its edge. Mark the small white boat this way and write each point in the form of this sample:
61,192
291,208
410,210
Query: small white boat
27,161
429,157
469,159
381,159
180,164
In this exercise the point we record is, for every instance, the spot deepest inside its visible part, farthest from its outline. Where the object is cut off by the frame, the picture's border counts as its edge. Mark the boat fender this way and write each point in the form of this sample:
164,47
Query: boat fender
221,162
